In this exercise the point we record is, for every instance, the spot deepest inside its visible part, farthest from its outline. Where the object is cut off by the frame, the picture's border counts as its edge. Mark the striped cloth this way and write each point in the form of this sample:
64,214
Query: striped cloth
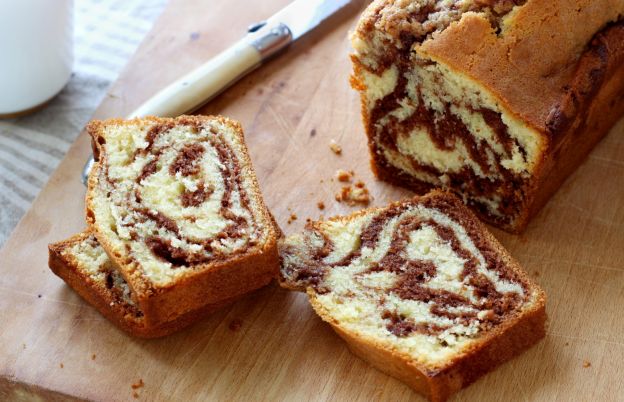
106,34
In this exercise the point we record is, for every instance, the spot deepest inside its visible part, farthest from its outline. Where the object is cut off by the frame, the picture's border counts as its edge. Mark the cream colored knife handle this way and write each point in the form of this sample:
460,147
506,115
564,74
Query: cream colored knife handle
204,83
210,79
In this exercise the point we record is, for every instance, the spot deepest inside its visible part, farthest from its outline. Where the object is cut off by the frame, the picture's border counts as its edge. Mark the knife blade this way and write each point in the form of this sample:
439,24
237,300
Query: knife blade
263,40
302,16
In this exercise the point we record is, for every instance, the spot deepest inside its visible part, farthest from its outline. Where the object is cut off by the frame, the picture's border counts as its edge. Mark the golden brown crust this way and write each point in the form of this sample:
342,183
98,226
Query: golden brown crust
585,114
520,65
213,282
222,281
105,301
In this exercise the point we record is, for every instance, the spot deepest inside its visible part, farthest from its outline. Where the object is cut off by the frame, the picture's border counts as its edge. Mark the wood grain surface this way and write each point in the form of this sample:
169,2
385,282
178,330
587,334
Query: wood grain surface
270,345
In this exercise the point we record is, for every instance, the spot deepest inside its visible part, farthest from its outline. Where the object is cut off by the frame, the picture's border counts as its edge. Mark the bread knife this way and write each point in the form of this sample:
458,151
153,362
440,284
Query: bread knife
262,41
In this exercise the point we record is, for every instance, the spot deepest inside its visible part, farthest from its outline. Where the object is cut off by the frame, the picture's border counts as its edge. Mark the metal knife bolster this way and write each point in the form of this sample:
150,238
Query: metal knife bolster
269,40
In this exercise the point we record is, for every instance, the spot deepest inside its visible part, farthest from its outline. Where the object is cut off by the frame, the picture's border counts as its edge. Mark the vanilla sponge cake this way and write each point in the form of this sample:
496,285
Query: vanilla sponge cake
419,289
176,205
495,100
84,265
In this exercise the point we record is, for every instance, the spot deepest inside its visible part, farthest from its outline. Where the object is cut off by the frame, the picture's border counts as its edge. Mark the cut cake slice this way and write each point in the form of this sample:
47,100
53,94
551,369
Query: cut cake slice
419,289
175,204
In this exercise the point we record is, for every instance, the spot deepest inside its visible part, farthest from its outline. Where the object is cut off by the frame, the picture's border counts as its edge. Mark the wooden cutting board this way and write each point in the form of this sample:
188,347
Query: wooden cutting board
54,345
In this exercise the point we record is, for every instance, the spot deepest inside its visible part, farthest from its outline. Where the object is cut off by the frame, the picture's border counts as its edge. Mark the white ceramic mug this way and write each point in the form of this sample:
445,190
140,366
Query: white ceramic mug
36,52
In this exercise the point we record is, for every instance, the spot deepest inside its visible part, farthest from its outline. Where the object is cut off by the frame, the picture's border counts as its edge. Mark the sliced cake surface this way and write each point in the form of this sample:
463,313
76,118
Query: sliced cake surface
495,100
176,205
419,289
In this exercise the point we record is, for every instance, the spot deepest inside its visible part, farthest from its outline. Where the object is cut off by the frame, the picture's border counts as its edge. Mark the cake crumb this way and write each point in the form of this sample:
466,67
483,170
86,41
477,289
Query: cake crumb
135,386
337,149
138,384
344,176
312,132
292,218
320,205
308,220
61,365
353,195
586,364
235,325
93,356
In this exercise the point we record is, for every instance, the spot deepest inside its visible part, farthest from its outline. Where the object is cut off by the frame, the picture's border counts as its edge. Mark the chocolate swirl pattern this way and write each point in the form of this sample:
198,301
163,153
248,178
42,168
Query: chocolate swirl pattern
171,199
175,194
419,276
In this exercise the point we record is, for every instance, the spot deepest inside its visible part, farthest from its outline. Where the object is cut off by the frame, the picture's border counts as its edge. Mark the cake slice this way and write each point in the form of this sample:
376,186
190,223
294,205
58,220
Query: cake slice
176,206
419,289
498,101
82,263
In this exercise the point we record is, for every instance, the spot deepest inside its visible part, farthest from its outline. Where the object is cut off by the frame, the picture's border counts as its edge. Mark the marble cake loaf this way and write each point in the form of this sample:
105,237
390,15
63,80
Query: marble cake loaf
496,100
84,265
419,289
176,206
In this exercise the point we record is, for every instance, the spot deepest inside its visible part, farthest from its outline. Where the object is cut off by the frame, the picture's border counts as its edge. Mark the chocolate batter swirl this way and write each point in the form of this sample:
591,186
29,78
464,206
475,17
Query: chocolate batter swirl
429,254
446,131
188,202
